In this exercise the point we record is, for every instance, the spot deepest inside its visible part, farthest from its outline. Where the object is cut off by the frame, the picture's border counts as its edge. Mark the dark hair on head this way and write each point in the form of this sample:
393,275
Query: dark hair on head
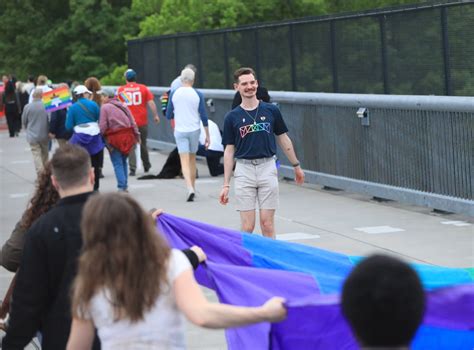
9,88
71,165
383,301
123,254
44,198
243,71
31,78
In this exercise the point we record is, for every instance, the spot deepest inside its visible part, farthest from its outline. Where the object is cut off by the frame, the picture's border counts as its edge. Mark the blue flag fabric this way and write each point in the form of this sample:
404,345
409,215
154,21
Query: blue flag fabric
245,269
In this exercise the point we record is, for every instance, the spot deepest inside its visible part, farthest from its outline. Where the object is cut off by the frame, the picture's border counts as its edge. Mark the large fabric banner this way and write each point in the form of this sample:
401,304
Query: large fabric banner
246,269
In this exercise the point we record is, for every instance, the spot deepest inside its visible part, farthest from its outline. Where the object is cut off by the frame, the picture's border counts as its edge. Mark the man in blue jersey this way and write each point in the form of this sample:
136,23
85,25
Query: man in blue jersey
249,137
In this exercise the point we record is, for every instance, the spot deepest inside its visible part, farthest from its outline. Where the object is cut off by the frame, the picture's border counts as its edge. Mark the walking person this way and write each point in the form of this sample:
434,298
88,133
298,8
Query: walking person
57,125
187,108
41,296
249,137
137,97
121,134
122,249
11,101
36,123
82,118
41,83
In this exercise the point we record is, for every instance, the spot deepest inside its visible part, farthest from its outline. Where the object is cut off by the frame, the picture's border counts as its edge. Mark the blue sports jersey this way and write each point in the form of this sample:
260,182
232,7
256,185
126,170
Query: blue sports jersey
253,135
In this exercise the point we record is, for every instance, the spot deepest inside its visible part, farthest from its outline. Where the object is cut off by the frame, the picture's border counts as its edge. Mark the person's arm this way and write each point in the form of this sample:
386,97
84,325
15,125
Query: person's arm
170,107
12,249
204,118
287,146
30,295
82,335
201,312
24,117
152,106
228,166
103,120
69,120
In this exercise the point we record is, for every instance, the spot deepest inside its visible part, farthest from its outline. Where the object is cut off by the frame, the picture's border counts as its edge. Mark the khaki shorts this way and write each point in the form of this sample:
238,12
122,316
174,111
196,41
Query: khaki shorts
256,182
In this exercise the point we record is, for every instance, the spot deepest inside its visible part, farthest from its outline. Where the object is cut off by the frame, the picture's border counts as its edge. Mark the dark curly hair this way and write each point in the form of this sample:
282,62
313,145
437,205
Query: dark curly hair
44,198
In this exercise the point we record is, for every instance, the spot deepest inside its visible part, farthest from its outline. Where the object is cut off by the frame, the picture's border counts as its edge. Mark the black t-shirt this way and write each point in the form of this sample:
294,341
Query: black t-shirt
252,134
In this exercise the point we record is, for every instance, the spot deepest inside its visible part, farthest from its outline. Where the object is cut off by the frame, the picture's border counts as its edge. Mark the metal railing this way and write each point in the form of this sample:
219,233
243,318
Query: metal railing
413,149
425,49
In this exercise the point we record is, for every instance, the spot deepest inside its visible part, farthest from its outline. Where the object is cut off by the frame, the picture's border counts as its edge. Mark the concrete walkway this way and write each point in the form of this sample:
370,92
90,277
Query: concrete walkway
334,220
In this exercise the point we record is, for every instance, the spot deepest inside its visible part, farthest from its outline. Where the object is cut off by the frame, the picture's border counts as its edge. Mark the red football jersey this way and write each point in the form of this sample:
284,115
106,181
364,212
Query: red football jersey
136,97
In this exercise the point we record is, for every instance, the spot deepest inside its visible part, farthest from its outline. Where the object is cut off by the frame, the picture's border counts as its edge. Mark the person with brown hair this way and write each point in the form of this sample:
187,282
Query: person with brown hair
44,198
52,244
93,84
41,83
132,287
251,132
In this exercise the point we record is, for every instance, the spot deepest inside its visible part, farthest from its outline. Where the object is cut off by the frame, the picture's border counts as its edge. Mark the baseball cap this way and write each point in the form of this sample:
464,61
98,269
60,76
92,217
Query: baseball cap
106,91
130,74
81,89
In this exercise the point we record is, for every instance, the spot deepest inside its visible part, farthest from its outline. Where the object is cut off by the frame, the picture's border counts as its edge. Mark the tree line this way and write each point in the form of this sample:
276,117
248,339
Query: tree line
75,39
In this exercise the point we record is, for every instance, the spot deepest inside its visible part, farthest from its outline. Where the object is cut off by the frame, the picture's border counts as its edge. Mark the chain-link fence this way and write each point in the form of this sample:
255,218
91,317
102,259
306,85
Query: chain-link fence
423,50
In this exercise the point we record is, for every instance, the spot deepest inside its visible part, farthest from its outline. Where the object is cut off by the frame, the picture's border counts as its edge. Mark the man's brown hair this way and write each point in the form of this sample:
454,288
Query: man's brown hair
122,254
243,71
71,166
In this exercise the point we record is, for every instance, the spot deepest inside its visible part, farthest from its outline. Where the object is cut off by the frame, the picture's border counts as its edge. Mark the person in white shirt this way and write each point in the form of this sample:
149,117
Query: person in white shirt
215,151
41,83
134,289
176,83
187,108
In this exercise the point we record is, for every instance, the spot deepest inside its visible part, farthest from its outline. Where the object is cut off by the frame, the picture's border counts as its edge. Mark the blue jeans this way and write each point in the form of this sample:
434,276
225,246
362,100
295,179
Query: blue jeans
119,161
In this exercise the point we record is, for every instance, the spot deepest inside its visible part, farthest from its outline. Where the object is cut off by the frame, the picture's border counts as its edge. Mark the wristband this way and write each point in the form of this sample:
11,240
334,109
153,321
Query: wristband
296,164
224,186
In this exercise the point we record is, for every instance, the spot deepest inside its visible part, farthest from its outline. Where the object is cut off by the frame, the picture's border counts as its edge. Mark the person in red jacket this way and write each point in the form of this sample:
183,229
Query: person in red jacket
137,97
120,132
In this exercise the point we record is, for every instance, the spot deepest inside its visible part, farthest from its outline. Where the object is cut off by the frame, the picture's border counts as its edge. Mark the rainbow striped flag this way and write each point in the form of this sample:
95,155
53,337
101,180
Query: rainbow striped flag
246,269
56,99
124,97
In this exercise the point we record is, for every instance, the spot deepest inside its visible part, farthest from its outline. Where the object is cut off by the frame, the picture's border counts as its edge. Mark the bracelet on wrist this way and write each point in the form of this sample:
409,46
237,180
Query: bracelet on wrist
296,164
224,186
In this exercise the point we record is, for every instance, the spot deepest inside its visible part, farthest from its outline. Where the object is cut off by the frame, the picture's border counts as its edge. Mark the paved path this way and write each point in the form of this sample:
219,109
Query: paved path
335,220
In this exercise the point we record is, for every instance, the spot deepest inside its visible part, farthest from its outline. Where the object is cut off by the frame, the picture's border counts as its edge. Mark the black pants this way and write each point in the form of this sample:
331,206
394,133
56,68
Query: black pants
97,160
14,123
213,160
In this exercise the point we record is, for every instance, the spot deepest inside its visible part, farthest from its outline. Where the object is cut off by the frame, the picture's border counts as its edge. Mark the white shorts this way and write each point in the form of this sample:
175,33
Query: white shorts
256,181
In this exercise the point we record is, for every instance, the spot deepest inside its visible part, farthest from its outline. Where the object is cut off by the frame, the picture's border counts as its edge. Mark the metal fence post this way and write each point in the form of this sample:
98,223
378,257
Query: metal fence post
226,61
199,62
383,46
291,37
332,33
257,57
176,55
446,57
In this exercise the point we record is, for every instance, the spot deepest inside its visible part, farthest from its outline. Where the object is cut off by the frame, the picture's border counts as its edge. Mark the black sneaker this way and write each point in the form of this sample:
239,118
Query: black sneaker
190,197
147,169
132,173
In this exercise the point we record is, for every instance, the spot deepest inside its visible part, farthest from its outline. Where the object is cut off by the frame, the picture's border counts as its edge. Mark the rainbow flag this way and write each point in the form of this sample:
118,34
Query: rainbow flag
124,97
247,269
56,99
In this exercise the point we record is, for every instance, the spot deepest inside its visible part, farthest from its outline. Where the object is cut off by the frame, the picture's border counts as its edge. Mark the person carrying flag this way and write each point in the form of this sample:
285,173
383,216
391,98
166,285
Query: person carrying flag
137,97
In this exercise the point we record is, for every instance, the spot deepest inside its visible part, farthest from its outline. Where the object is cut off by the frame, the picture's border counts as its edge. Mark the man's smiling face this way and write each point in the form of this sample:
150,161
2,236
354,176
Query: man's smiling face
247,85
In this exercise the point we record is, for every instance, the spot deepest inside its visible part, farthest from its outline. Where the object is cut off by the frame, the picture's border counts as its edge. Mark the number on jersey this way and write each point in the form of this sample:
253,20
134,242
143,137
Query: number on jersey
132,98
